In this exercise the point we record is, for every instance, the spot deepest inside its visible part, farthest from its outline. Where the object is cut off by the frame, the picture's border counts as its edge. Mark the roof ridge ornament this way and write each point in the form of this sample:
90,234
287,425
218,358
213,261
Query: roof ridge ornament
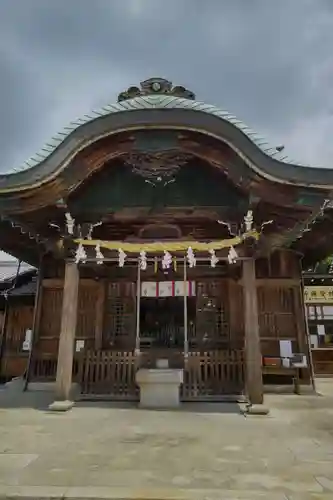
156,86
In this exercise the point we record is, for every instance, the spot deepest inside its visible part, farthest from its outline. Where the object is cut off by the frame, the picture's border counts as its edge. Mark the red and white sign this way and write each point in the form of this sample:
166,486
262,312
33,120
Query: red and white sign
167,289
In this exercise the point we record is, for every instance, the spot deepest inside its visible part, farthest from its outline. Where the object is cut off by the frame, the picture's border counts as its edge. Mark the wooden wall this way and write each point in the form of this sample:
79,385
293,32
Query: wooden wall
280,308
280,302
47,334
20,318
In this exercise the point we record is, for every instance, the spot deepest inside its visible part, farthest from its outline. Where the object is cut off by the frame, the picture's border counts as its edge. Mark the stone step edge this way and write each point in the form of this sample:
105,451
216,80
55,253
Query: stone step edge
111,493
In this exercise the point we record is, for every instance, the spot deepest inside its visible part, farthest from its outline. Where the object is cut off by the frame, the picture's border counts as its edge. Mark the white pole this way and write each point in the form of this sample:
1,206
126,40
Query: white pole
185,314
138,301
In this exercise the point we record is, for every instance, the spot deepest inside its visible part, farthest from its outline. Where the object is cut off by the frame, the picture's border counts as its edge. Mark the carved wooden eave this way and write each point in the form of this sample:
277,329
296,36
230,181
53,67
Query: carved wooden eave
91,159
292,195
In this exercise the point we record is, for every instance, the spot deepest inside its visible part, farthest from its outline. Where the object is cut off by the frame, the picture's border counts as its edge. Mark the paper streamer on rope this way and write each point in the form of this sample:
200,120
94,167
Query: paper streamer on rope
191,257
80,254
232,256
167,260
143,260
169,246
213,259
99,255
121,257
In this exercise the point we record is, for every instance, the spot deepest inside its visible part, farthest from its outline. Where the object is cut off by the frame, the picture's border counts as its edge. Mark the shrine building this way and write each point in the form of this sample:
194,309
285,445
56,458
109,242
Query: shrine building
169,240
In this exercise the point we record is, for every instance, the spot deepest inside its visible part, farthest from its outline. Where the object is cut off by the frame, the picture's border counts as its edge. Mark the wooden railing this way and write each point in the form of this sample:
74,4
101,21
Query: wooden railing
44,367
212,374
109,373
207,375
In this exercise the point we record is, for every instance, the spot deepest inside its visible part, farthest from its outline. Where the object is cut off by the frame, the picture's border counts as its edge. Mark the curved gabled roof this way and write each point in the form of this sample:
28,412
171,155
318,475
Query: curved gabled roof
155,102
275,164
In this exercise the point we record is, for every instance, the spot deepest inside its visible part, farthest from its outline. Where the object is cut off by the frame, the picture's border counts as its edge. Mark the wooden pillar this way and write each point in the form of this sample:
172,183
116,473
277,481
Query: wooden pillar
138,305
185,314
35,322
67,338
252,336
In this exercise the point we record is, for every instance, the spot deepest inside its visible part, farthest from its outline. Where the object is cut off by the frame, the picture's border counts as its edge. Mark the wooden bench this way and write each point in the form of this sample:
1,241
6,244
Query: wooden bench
283,370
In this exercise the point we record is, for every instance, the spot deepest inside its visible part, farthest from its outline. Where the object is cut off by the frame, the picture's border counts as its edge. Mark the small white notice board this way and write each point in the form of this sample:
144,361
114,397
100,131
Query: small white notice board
79,345
286,350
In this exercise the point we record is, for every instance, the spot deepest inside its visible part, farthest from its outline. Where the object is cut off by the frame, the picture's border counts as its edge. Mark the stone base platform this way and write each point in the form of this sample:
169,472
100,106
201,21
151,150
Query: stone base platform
159,388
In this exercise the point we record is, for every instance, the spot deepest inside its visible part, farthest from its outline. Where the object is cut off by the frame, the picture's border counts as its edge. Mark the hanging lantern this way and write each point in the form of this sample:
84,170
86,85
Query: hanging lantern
167,260
121,257
143,260
99,255
232,256
70,222
80,254
191,258
213,259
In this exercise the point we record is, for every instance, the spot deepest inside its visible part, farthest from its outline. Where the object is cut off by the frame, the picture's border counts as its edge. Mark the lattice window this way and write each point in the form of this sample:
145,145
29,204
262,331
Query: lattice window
276,312
212,315
86,313
120,314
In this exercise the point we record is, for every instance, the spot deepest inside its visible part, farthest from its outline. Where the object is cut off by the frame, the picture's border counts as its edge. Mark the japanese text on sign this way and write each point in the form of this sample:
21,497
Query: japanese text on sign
318,294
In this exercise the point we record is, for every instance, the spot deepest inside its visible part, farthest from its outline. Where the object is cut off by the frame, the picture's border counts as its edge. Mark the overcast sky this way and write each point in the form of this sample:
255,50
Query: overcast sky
270,62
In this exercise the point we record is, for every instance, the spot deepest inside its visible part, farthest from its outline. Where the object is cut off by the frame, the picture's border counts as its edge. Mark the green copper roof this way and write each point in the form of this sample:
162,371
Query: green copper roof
152,102
149,106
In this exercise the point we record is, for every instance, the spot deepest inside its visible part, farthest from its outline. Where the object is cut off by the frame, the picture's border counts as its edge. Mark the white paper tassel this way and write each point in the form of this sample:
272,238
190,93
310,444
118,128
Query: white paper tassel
80,254
121,257
143,260
330,269
99,255
248,219
167,260
191,258
70,222
213,259
91,228
232,256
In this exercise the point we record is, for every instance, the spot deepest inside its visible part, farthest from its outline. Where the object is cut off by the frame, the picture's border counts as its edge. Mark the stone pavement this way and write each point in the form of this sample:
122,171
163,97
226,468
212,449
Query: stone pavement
211,451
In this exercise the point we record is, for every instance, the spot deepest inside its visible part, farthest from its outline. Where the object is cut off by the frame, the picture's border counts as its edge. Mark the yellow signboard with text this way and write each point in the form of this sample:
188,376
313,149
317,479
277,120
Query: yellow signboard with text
318,294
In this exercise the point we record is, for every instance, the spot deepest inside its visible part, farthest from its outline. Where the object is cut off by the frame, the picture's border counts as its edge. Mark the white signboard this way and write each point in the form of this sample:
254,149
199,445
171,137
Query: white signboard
321,330
314,341
79,345
286,350
167,288
27,341
286,362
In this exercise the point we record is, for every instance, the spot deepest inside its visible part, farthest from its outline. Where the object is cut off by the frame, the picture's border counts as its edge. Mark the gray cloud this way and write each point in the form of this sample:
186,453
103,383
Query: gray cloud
269,62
